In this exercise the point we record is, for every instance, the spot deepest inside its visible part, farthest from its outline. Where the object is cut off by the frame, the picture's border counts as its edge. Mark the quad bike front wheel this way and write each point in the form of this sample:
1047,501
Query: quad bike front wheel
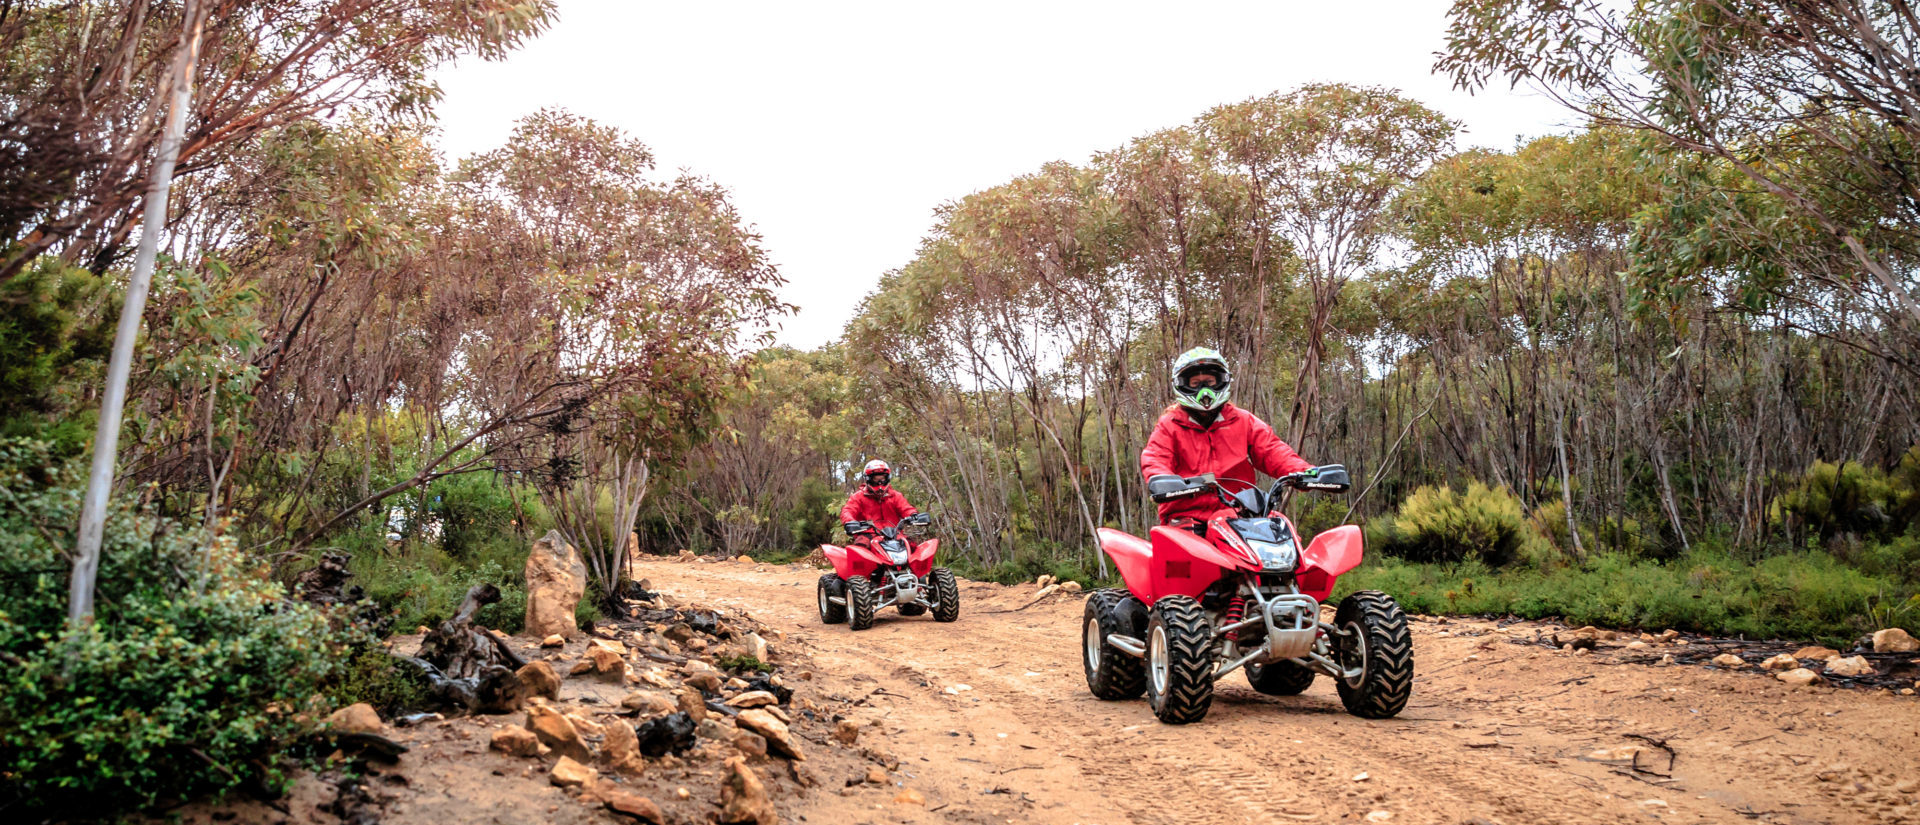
946,595
1111,674
1179,661
860,603
1279,678
831,613
1378,642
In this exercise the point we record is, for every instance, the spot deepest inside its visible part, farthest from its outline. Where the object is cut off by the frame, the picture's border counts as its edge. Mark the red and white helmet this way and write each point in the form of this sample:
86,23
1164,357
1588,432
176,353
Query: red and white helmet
876,474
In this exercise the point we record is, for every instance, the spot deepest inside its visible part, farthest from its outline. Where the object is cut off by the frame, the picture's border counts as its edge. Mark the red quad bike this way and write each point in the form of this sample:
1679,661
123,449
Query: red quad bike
1245,596
890,572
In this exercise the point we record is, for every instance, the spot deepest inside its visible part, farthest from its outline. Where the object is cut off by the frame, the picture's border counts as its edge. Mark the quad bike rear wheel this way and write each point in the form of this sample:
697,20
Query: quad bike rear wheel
1279,678
1380,644
860,602
831,613
1179,661
946,595
1111,674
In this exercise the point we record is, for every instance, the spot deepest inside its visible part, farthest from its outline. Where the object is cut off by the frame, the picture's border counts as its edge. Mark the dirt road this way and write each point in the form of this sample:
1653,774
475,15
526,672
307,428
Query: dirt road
990,719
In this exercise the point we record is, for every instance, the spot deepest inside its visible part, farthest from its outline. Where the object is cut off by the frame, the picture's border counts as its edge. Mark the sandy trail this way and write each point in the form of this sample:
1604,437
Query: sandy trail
1498,731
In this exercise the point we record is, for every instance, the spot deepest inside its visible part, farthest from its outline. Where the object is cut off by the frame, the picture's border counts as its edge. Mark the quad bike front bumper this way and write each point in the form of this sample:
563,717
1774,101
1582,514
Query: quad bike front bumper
1289,629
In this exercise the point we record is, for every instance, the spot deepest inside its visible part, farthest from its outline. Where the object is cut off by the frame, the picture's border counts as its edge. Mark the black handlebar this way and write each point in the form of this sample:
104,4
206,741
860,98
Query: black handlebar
1331,478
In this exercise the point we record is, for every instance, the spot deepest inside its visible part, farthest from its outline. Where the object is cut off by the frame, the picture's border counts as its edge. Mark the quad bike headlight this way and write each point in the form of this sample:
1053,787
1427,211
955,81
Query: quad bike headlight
896,550
1275,556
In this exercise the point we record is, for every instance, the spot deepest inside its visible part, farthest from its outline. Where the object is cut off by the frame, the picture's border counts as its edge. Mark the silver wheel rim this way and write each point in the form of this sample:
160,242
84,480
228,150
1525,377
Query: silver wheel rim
1157,659
822,593
1092,643
1359,655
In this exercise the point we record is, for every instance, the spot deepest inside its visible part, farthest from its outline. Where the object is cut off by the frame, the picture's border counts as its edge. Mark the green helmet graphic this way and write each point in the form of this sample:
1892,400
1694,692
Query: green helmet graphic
1197,361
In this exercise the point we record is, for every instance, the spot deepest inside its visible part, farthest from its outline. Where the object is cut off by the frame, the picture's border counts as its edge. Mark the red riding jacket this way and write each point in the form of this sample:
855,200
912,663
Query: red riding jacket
884,511
1236,443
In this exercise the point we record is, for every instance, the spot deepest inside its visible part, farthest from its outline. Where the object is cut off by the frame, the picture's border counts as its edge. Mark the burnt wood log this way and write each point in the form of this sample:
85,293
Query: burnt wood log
468,667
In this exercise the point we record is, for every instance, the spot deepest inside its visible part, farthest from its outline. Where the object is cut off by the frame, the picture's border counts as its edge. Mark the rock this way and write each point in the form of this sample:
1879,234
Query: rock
743,559
692,704
556,579
1666,658
846,732
779,739
743,799
651,704
753,699
670,733
569,773
705,680
1668,635
678,632
1817,653
756,646
1799,677
1781,662
1894,640
1648,637
909,796
633,805
557,732
710,728
1638,646
622,748
540,679
658,678
1070,586
555,640
603,663
1379,816
1046,591
359,717
588,728
1043,580
877,775
750,744
515,742
1850,666
1729,661
736,683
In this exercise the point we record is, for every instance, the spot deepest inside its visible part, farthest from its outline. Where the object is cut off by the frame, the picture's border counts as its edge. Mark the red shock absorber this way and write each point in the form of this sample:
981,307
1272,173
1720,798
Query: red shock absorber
1236,610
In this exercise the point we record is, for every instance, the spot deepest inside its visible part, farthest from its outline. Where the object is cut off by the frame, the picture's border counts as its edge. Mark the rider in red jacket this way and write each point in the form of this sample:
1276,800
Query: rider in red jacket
876,502
1203,433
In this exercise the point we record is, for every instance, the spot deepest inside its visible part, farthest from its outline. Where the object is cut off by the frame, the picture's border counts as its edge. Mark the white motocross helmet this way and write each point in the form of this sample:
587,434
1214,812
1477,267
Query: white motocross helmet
1198,360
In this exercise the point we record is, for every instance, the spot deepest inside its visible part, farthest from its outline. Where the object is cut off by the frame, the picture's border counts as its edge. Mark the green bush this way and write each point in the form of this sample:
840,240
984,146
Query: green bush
424,586
375,677
1812,596
1437,524
1851,498
476,510
193,671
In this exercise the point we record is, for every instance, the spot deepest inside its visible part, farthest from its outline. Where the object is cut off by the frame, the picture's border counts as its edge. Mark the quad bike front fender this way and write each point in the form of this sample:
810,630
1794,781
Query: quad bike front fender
848,562
920,561
1330,554
1182,564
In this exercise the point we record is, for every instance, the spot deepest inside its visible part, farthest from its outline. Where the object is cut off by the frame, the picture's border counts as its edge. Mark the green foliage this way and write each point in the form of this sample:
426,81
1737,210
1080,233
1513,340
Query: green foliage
742,663
189,677
377,678
1806,597
475,509
1852,498
1439,524
48,329
424,586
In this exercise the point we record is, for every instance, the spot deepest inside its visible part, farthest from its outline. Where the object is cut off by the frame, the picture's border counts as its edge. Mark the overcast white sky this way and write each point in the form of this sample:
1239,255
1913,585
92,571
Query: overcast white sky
840,127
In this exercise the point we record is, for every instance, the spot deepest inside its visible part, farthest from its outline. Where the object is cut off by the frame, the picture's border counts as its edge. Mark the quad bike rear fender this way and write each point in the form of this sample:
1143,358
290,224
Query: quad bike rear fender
1330,554
920,561
1132,556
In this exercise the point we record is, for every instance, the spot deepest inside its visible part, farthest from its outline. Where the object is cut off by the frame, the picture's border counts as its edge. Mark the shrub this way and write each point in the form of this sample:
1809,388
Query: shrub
1438,524
1851,498
192,672
424,586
